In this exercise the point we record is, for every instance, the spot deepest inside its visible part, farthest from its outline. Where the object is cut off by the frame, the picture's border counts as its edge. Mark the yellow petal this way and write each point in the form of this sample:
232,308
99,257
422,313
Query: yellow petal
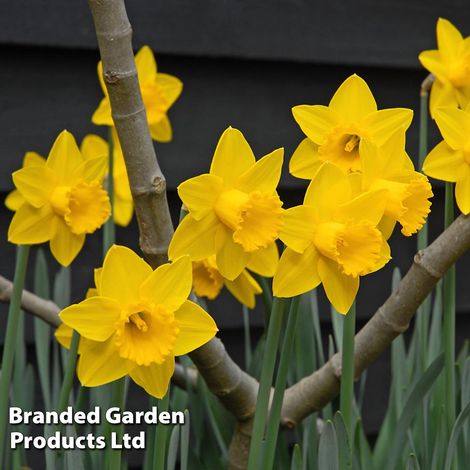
123,209
35,183
232,157
93,146
161,131
99,70
170,284
329,189
244,288
442,95
316,121
14,200
93,169
384,256
448,38
367,206
94,318
462,190
299,226
386,226
353,99
123,273
64,157
230,256
155,378
102,115
432,61
340,289
305,162
64,244
195,238
382,124
100,364
264,261
296,273
454,125
444,163
63,335
30,225
145,64
33,159
200,193
264,175
196,328
171,87
97,273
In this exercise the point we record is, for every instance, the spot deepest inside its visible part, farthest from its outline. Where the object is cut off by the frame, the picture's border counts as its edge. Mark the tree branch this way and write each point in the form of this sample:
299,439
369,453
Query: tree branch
148,185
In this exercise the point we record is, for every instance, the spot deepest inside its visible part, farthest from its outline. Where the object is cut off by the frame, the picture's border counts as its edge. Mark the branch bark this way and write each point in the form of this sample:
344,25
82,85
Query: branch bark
235,388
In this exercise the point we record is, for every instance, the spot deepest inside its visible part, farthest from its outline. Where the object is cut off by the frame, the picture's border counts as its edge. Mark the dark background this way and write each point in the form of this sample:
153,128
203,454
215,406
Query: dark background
242,64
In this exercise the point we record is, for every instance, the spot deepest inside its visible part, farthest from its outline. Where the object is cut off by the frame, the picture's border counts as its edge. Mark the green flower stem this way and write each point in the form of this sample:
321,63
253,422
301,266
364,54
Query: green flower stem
280,386
347,371
422,316
247,336
262,404
109,229
449,319
118,391
266,296
69,373
9,346
161,436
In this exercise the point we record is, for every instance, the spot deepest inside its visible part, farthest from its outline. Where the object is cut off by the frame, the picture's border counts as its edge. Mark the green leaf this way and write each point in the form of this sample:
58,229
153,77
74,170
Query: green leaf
459,422
42,331
417,394
412,463
296,463
184,450
173,448
344,446
328,448
310,442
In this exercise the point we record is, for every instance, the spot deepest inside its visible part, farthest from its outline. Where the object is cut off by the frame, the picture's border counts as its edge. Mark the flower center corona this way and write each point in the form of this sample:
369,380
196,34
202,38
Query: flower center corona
407,202
207,280
354,246
146,334
254,218
84,207
342,148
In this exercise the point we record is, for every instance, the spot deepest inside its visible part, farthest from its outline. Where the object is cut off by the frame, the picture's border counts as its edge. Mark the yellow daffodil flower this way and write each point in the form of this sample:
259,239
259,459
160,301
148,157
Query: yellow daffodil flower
208,282
450,65
450,159
407,191
334,132
139,321
331,239
234,211
15,199
159,92
123,206
64,200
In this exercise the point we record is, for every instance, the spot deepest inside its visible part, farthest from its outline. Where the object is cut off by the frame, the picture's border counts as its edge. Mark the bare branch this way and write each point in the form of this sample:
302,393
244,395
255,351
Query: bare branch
44,309
148,185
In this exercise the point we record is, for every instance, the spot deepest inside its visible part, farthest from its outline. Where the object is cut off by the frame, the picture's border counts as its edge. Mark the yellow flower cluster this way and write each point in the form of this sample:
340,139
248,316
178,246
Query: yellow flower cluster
362,184
449,160
450,65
